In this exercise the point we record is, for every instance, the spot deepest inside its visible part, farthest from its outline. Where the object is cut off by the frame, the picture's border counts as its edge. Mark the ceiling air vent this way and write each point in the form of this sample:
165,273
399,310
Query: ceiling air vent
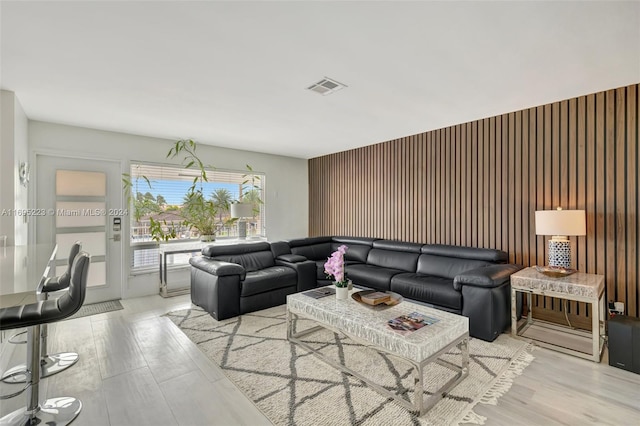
326,86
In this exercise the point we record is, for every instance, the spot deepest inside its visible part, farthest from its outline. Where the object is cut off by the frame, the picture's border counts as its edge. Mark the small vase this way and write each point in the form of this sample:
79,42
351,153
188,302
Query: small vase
342,293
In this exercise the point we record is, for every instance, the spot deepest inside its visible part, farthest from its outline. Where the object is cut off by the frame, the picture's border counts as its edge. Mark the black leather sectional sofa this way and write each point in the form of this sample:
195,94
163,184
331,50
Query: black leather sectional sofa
231,280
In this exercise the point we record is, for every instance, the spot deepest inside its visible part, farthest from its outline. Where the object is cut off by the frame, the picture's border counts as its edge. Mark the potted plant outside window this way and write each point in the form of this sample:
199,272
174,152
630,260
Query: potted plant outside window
197,212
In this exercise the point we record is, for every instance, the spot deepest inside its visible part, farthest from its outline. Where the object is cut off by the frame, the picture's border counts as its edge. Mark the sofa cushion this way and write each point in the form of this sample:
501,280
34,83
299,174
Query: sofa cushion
401,260
291,258
298,242
216,250
487,255
396,245
217,267
320,270
371,276
253,261
446,267
429,289
268,279
355,252
354,240
320,251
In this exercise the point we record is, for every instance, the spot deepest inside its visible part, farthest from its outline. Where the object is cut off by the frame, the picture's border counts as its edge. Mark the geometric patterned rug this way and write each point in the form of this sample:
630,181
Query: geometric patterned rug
293,387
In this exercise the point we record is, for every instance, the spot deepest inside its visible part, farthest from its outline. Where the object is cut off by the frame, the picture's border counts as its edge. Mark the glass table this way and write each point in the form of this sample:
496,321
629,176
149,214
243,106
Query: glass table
21,268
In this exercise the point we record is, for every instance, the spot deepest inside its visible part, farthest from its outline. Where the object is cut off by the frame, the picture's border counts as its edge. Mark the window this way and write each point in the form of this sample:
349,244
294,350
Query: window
158,193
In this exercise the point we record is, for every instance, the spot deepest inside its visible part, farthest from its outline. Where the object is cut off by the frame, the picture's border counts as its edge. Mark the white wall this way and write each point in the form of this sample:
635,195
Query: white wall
13,150
286,197
6,163
20,155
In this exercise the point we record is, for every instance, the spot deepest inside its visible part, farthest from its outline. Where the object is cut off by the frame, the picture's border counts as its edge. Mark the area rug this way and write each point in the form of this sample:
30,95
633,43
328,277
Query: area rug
97,308
293,387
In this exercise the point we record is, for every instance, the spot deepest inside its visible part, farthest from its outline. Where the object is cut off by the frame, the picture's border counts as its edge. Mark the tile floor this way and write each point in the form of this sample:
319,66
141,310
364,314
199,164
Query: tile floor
137,368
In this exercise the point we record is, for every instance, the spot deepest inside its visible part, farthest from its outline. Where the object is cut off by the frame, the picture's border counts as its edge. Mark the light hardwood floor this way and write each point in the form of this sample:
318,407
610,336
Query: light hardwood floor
137,368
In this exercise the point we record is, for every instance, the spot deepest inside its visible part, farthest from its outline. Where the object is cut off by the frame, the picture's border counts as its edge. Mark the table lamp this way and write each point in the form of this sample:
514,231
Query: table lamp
560,224
241,211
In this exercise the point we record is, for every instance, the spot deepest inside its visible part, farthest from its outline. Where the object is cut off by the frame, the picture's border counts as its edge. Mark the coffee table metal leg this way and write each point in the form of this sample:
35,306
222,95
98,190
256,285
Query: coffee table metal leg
462,372
418,396
289,324
419,404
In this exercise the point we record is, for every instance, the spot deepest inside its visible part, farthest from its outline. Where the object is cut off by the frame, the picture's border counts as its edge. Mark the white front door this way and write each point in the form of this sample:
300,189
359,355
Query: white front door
83,202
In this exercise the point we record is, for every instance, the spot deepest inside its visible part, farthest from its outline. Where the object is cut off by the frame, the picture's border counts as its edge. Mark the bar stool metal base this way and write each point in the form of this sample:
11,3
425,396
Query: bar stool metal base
53,412
49,365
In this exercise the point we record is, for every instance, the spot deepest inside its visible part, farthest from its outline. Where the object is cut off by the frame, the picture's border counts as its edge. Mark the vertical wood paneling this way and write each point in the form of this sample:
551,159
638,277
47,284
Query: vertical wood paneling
479,184
475,186
601,237
469,186
631,199
517,171
491,170
504,178
610,193
463,185
580,252
620,192
590,164
446,187
533,186
485,181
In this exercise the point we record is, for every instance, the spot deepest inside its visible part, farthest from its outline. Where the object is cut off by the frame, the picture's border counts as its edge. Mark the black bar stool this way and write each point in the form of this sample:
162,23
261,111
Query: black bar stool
54,363
54,411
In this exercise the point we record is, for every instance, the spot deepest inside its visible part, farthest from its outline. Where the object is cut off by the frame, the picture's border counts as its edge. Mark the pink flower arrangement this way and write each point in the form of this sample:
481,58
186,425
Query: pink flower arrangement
335,266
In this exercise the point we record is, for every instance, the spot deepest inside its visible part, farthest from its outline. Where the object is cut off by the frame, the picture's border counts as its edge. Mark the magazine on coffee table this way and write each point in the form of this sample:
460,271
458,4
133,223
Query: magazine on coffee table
407,324
319,293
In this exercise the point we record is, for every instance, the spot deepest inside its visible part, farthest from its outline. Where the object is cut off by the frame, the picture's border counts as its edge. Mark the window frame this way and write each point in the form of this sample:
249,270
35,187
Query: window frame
149,244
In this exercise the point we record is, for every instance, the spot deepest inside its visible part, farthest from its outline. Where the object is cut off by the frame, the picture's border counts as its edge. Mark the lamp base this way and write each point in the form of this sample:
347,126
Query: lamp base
560,253
242,230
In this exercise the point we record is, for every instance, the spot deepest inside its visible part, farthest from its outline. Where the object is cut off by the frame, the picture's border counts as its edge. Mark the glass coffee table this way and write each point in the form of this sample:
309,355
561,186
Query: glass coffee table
368,326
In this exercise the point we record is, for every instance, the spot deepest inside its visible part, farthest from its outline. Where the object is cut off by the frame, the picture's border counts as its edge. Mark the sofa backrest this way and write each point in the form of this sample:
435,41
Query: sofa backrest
308,241
313,248
394,254
446,267
488,255
252,256
448,261
358,247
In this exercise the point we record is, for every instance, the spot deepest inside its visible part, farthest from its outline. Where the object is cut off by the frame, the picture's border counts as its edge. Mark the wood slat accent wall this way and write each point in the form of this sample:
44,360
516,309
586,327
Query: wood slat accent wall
478,184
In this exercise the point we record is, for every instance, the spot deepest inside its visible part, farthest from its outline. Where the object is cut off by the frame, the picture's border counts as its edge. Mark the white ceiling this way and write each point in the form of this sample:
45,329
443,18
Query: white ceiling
234,74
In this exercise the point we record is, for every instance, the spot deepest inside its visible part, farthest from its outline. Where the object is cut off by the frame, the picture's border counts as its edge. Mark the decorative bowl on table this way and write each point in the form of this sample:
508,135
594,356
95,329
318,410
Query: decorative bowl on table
555,271
361,297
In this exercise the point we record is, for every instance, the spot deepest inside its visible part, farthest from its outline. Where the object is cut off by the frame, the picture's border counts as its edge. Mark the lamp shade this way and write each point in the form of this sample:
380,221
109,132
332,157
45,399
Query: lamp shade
561,222
242,210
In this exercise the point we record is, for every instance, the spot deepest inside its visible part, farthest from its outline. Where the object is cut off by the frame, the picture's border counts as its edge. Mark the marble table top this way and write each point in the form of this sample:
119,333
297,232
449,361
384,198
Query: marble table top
578,284
370,325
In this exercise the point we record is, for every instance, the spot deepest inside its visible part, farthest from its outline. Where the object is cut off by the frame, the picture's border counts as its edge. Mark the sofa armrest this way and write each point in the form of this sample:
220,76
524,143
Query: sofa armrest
306,270
291,258
218,267
489,276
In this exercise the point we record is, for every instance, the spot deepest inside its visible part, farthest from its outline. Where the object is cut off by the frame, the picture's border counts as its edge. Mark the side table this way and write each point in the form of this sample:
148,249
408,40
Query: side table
166,250
579,287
